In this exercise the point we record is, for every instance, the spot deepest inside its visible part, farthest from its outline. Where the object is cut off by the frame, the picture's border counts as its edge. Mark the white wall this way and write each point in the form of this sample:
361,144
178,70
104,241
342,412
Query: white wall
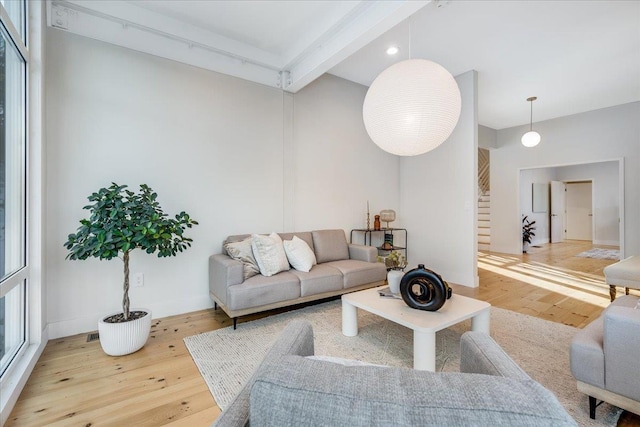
527,178
606,204
337,166
438,197
238,156
594,136
487,137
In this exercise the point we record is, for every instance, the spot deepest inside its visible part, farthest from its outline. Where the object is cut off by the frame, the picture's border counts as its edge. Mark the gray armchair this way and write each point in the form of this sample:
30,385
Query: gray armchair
605,357
289,389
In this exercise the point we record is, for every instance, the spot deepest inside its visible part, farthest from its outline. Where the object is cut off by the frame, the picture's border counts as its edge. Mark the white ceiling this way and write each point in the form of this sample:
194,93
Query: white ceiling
575,56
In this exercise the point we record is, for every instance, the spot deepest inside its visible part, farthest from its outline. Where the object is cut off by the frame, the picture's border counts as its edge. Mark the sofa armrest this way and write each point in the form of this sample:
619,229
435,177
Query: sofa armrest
363,253
621,350
223,272
296,339
480,354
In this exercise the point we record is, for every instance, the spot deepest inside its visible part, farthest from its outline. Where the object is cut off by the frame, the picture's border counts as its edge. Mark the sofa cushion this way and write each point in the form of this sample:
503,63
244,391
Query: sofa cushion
242,252
358,273
299,254
330,245
298,391
321,278
261,290
269,253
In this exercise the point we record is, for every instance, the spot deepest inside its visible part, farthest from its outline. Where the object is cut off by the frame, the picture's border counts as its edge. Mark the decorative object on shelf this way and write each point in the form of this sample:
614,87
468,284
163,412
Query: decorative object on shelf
387,245
376,222
531,138
368,217
399,237
388,215
395,263
412,107
527,233
424,289
120,222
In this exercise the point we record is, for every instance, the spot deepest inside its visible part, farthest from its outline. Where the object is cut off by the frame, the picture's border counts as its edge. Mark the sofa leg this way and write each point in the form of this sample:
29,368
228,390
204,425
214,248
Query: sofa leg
215,305
235,323
592,407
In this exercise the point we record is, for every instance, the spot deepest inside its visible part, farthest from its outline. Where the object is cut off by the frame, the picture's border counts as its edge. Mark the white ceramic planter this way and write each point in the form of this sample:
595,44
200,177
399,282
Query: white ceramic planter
393,279
118,339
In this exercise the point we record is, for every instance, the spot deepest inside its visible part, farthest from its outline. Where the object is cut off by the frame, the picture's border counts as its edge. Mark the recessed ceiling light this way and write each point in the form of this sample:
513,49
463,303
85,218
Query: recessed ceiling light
392,50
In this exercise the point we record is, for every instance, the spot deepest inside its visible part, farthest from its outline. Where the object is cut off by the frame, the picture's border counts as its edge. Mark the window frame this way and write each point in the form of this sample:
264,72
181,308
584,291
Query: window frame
20,277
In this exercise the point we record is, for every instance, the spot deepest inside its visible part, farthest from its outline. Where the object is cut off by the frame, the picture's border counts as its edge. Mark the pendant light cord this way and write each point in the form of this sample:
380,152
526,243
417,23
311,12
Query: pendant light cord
531,119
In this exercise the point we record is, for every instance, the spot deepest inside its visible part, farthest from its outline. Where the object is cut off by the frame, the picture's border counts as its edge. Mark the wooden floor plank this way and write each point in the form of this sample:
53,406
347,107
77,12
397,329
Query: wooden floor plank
75,384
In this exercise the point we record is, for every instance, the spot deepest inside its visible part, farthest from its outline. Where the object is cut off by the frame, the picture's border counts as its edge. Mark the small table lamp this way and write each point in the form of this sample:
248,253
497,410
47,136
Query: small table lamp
388,215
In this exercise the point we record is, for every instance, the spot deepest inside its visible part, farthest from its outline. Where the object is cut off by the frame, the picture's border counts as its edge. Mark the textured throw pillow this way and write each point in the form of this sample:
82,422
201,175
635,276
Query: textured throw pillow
300,255
269,253
242,252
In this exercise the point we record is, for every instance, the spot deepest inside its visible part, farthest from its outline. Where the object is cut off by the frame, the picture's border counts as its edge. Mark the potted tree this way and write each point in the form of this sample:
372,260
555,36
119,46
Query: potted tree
120,222
527,233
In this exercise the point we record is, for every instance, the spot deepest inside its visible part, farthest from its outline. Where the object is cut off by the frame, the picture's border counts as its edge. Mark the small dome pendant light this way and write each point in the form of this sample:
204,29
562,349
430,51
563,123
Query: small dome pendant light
531,138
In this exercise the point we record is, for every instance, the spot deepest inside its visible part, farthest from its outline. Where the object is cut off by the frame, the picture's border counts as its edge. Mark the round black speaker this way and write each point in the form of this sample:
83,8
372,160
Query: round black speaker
424,289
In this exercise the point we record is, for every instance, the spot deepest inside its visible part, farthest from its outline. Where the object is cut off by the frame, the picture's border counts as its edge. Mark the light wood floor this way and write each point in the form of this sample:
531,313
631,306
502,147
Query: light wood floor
76,384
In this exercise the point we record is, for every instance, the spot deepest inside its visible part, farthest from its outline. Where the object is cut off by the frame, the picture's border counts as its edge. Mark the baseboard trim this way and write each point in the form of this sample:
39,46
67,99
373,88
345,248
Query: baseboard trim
606,242
84,324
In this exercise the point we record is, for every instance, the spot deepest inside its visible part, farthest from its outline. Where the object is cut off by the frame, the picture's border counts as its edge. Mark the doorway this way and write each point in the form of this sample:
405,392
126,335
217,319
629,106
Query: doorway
579,210
603,214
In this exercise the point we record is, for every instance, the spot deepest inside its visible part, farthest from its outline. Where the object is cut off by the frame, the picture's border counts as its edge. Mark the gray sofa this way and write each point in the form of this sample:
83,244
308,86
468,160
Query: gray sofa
341,268
289,389
605,359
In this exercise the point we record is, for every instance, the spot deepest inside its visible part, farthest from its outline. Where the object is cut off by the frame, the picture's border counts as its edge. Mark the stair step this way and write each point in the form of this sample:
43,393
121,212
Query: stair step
484,232
484,216
482,204
484,198
484,247
484,239
484,211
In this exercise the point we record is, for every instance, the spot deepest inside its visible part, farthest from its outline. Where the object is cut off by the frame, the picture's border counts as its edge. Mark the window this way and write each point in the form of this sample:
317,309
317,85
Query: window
13,186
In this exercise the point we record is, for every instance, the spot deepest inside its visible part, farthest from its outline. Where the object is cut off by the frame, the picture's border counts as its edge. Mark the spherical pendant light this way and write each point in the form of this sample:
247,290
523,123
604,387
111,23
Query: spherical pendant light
412,107
531,138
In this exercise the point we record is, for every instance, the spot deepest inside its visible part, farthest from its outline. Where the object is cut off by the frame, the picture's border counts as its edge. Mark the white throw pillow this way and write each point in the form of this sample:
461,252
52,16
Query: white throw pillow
269,254
300,255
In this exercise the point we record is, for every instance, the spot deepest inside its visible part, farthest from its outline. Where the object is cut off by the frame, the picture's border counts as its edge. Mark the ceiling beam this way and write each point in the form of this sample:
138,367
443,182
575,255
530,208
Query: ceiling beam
125,24
355,31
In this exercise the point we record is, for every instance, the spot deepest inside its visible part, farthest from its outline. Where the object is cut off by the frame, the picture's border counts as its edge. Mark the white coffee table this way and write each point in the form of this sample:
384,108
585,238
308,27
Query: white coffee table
424,324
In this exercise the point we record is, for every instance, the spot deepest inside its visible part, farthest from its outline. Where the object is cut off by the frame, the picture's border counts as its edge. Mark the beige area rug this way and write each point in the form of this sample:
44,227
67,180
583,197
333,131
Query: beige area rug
227,358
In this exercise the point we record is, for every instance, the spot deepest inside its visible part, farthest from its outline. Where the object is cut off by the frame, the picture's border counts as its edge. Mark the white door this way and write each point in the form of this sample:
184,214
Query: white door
579,215
557,211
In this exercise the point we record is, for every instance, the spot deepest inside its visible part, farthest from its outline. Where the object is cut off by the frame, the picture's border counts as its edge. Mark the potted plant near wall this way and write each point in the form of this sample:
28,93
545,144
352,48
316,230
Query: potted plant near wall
527,233
120,222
